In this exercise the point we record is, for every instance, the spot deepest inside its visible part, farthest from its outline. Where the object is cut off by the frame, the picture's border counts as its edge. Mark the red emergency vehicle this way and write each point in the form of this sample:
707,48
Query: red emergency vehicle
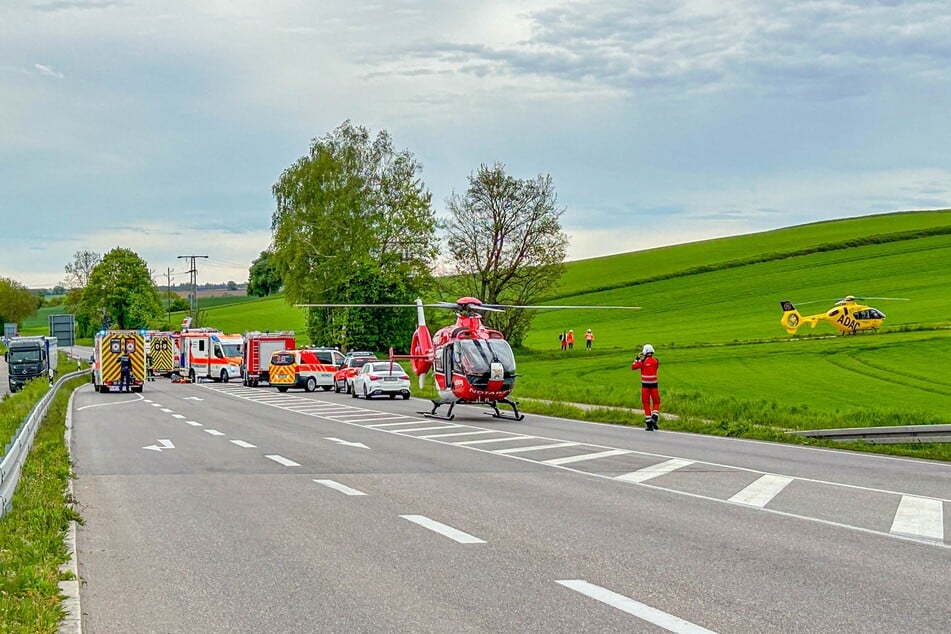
258,348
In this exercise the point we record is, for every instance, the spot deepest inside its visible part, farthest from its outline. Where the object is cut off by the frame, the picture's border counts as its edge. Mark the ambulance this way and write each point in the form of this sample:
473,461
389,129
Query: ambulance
211,354
308,368
258,348
161,352
108,346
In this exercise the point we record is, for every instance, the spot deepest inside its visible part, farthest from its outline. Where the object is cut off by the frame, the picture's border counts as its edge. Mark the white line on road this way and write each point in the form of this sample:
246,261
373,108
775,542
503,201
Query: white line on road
408,422
166,410
460,433
443,529
919,517
177,416
282,460
430,428
645,474
156,404
193,423
642,611
488,440
339,487
214,432
146,401
762,490
241,443
537,447
586,456
131,400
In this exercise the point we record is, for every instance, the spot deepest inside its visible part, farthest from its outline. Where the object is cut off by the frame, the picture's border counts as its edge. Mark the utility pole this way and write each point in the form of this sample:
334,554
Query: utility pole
193,296
168,297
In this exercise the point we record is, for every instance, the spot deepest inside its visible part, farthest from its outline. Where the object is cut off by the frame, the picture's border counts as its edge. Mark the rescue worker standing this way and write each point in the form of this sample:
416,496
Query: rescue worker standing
125,372
647,363
571,339
588,339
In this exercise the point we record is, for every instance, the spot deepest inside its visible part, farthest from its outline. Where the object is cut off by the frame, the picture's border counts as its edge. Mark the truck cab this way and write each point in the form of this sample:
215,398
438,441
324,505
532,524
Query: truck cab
29,358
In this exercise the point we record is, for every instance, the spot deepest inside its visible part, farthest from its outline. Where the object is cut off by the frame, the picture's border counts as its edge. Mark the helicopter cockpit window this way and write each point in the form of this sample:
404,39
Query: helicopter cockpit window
477,355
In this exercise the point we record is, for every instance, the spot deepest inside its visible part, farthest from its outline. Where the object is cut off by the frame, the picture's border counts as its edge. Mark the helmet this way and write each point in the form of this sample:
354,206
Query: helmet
648,349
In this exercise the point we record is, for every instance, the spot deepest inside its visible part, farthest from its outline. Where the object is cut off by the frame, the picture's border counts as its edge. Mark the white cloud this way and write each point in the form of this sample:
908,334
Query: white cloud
47,71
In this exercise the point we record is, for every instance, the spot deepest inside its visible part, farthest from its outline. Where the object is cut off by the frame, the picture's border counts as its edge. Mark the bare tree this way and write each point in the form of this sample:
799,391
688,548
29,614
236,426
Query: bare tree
78,271
506,243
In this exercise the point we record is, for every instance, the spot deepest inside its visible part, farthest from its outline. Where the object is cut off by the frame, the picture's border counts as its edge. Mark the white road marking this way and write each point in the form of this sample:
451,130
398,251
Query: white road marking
282,460
430,428
645,474
642,611
586,456
536,447
131,400
461,433
408,422
156,404
214,432
241,443
192,398
164,443
193,423
177,416
339,487
488,440
364,412
444,530
378,418
146,401
166,410
348,443
762,491
919,517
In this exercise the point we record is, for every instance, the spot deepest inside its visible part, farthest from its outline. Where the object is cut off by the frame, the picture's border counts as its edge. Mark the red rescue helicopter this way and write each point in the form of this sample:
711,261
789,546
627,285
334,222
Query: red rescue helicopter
471,364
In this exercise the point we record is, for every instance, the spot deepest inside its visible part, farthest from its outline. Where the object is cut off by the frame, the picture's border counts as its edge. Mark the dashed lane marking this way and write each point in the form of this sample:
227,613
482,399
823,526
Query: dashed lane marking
443,529
339,487
282,460
244,444
642,611
179,416
193,423
214,432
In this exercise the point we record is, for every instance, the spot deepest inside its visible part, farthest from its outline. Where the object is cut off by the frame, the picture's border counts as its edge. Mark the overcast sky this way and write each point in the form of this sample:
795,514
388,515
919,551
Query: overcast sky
161,125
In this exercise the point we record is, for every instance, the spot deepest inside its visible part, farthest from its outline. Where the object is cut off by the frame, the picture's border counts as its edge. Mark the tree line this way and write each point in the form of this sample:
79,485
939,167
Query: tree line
354,224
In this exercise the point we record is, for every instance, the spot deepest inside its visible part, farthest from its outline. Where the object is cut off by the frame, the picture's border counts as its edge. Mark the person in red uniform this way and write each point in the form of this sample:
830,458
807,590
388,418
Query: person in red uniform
647,363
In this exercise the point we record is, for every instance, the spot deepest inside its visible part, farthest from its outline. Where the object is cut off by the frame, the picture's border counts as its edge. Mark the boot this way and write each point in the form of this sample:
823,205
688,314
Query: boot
648,424
654,418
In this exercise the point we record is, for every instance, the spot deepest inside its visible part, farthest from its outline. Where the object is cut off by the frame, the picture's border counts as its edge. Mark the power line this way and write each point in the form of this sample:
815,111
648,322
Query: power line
193,296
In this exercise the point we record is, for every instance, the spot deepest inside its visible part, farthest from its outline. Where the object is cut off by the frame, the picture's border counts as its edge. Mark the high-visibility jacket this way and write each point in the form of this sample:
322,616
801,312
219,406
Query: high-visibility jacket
648,367
571,337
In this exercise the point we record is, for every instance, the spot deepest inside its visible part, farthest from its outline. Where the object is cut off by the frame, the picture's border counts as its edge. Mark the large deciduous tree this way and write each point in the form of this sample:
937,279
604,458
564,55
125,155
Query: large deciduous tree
506,243
263,277
353,216
16,301
121,291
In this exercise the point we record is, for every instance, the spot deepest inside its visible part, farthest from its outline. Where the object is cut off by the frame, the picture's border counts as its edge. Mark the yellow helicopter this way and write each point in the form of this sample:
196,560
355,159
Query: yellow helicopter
848,316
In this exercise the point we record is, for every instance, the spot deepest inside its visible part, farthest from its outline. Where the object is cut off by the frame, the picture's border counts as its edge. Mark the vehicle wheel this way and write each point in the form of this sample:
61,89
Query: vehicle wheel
191,375
336,388
406,397
311,384
325,388
392,396
348,387
224,376
366,394
282,388
353,393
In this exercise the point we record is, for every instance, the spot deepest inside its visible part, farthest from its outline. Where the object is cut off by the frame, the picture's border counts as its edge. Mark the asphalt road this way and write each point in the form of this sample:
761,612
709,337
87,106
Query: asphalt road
320,513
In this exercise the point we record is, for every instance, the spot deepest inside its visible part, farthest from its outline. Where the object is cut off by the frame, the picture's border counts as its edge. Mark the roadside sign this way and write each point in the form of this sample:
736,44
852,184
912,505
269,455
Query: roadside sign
9,330
63,327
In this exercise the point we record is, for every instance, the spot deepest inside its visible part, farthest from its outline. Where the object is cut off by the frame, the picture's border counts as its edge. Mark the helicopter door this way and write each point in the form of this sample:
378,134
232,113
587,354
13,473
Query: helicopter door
447,364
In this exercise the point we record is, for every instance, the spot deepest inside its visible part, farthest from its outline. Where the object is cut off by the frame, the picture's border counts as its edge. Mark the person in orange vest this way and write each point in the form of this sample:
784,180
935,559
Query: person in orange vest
588,338
571,339
647,363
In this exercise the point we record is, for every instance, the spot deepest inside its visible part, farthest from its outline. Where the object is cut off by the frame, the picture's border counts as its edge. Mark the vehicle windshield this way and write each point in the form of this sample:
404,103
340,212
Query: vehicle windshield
477,355
325,356
384,368
24,356
231,349
359,362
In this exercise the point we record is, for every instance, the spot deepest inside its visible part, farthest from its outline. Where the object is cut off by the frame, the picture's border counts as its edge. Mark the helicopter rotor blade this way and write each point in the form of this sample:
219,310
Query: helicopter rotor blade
891,299
588,307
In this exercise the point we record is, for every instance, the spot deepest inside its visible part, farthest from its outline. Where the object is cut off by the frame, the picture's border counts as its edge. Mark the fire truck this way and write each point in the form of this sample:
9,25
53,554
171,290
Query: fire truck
108,347
211,354
258,348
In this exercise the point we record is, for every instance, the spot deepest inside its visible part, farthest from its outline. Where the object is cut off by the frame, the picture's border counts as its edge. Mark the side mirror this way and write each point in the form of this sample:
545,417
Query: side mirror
92,358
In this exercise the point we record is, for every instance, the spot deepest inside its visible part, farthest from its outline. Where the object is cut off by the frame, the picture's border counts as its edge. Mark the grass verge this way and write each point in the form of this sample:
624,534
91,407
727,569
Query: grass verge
31,535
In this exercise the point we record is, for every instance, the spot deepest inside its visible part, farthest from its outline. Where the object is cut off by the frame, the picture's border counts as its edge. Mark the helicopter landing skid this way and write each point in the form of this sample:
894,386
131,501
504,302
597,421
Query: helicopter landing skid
497,413
447,416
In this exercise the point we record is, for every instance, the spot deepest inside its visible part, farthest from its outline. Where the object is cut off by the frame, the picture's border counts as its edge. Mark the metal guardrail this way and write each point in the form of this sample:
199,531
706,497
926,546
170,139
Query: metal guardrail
19,447
884,435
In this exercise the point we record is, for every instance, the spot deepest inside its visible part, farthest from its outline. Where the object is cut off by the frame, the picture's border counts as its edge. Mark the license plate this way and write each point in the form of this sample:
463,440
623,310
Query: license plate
389,378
